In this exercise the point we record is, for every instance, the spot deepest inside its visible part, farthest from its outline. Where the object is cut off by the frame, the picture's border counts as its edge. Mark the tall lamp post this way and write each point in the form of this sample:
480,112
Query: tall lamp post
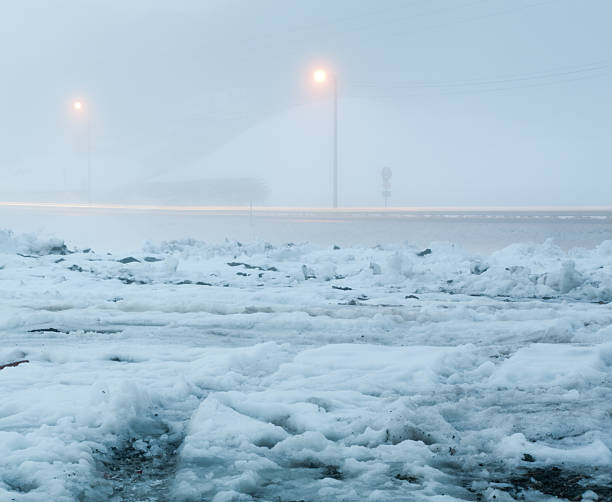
80,107
320,77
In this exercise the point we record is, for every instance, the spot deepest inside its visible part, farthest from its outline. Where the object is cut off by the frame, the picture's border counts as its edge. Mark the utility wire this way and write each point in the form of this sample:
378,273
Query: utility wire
583,72
495,13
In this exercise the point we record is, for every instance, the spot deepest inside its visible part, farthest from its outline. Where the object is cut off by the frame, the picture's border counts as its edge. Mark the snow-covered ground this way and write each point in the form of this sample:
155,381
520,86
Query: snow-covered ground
250,372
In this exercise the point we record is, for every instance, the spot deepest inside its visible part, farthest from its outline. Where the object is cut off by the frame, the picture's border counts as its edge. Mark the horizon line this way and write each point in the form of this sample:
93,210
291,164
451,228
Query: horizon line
260,208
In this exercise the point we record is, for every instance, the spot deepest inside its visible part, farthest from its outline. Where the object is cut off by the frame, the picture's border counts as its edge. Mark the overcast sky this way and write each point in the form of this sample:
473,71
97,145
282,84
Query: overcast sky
470,102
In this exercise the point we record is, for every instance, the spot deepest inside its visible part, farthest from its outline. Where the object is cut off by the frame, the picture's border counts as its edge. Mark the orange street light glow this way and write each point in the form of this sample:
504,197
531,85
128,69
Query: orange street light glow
319,76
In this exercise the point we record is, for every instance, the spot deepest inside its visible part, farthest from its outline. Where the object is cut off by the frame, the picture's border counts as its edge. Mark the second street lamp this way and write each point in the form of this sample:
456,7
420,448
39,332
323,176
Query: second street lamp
320,76
81,108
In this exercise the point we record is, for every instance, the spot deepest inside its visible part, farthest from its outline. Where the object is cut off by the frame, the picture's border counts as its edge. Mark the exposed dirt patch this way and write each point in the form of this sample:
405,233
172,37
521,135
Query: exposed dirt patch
142,470
561,483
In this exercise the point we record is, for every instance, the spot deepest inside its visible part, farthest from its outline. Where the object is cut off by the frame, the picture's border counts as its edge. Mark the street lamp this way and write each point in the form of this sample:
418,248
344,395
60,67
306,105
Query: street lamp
80,107
320,77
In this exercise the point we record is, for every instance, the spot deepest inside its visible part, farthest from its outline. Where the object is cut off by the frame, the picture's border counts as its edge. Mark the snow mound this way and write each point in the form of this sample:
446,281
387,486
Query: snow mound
30,244
517,271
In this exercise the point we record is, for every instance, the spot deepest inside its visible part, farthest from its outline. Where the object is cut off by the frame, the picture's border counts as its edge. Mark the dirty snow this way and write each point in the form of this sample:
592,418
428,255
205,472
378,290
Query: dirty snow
254,372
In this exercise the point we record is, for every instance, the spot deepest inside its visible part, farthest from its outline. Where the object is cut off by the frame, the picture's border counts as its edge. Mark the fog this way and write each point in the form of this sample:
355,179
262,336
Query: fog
470,103
316,250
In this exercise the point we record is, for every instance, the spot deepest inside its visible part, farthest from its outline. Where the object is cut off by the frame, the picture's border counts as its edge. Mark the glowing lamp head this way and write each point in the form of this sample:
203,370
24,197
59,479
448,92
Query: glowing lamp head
77,105
319,76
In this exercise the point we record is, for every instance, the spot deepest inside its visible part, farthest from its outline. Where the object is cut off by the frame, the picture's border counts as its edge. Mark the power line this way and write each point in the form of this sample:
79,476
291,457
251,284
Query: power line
495,13
546,77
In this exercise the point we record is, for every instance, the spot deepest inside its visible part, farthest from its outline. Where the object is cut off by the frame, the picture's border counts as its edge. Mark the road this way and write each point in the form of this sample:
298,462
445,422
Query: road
117,227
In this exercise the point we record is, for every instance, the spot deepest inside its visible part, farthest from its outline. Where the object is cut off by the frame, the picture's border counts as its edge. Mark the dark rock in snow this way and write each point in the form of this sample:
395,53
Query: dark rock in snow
425,252
331,471
56,249
308,273
12,365
61,249
478,268
342,288
151,259
413,297
129,259
47,330
130,280
252,267
405,477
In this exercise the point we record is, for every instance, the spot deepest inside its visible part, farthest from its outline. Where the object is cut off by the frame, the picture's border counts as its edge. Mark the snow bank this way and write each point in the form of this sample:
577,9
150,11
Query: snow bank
30,244
518,271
